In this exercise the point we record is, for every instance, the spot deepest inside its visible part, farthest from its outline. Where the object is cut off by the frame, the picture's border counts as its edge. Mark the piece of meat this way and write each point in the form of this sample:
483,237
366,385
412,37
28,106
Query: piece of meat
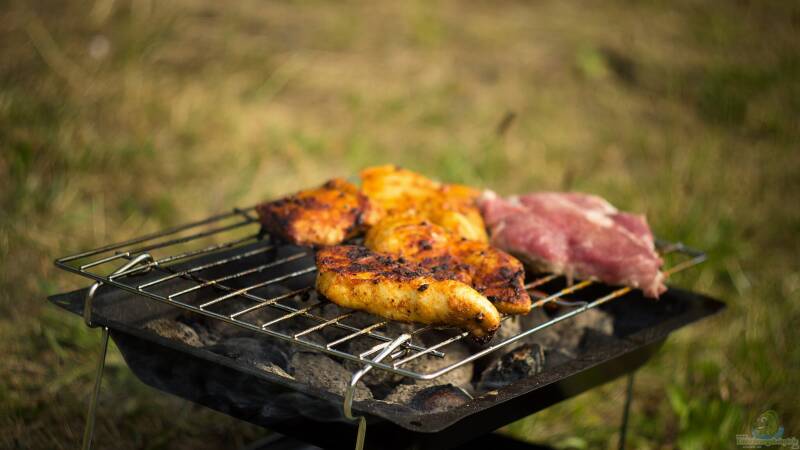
497,275
399,191
492,272
358,278
326,215
579,235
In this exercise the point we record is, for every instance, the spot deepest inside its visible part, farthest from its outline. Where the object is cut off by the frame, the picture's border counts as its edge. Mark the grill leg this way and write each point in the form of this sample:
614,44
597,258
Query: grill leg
623,428
88,432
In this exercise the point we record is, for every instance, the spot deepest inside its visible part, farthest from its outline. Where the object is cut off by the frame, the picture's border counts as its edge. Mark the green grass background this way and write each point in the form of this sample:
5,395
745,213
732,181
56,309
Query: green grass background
121,117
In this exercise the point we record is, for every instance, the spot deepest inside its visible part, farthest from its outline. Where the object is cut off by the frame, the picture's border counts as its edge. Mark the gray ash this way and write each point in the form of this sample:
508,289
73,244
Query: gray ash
266,354
522,362
323,372
175,330
439,398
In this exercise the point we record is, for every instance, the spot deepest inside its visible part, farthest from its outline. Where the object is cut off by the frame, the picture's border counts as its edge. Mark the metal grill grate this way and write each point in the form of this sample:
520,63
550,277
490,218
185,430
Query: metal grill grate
225,269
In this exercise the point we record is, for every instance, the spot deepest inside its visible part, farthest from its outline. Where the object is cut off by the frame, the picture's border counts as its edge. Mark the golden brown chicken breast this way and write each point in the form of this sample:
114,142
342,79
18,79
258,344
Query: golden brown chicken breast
451,206
326,215
358,278
495,274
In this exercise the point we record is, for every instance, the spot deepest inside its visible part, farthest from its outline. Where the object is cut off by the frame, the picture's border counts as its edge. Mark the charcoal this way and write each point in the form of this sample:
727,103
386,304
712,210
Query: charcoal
265,314
359,320
596,319
172,329
593,339
547,337
265,354
554,358
567,335
382,381
403,393
323,372
522,362
204,332
439,398
455,352
510,327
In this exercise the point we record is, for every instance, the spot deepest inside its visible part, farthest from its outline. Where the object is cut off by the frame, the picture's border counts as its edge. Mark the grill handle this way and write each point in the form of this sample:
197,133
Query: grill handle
389,347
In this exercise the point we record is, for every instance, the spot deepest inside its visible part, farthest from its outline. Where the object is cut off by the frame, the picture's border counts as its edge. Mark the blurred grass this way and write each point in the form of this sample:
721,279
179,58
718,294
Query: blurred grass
117,118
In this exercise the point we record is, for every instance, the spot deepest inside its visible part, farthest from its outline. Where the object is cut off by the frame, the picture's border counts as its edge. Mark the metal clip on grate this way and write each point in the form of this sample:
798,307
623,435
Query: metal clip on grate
214,242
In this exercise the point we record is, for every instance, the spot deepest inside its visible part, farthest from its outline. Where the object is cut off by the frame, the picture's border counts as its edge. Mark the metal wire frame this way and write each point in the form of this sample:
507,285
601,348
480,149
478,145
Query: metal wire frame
139,250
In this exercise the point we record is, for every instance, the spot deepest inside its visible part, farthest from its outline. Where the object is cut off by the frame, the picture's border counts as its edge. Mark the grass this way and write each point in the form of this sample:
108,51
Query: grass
118,118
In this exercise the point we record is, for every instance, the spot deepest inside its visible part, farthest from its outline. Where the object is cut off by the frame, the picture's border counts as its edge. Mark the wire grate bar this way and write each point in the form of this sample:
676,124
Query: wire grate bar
252,270
683,265
356,334
105,260
151,236
566,291
439,345
269,302
182,240
257,285
296,312
208,249
375,349
221,262
322,325
541,281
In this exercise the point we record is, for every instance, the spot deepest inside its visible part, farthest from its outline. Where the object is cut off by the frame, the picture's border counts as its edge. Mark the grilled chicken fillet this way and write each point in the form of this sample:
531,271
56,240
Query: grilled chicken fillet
494,273
451,206
326,215
355,277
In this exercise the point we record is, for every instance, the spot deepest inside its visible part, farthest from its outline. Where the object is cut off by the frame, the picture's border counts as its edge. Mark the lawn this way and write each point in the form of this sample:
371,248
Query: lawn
122,117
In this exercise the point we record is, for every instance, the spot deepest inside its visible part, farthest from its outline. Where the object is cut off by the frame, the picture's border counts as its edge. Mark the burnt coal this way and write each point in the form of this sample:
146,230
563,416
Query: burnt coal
519,363
542,350
323,372
439,398
403,393
172,329
383,383
593,339
264,354
374,378
460,376
204,332
567,335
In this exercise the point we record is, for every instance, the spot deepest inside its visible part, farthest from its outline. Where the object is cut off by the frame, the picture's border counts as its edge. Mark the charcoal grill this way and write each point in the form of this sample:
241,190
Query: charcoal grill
225,269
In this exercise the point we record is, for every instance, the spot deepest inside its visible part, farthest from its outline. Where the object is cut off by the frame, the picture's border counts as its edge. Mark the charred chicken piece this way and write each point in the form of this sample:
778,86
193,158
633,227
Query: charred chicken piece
358,278
451,206
495,274
326,215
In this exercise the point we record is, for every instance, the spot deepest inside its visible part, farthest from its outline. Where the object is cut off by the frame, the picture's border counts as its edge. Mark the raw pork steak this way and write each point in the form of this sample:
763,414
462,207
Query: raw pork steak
578,235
